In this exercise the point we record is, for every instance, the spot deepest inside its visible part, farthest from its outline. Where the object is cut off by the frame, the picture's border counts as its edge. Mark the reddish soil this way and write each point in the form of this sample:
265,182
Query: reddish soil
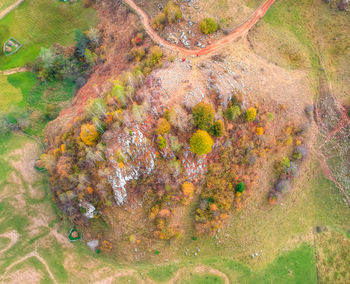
238,32
116,33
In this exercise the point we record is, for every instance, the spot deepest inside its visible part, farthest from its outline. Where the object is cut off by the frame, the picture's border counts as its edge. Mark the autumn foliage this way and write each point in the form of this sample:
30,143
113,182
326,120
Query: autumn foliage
89,134
203,116
163,126
201,143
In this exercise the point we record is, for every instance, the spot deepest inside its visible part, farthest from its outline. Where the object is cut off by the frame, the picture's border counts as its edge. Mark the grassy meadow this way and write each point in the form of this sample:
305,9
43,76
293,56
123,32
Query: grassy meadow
41,23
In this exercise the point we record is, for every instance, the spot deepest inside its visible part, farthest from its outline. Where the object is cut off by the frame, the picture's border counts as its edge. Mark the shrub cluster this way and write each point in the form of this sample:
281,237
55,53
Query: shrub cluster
208,26
170,14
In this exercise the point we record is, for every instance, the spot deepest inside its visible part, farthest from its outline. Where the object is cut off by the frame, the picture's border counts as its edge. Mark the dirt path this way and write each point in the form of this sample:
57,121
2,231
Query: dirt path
29,255
9,9
13,236
14,70
237,32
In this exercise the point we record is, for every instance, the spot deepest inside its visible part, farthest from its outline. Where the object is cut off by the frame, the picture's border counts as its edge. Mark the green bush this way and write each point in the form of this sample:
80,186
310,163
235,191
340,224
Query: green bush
208,26
251,114
161,142
118,92
240,187
201,142
218,128
232,113
172,12
203,116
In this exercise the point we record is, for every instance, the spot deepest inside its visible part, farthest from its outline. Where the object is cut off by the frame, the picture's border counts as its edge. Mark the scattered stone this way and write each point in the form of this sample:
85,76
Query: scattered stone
92,244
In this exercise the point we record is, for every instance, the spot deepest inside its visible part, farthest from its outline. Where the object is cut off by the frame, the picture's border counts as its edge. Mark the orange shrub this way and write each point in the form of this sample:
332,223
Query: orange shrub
88,134
163,126
188,191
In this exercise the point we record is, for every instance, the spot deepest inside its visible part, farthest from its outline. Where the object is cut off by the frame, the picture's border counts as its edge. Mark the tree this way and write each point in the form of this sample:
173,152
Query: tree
178,117
232,113
88,134
240,187
82,43
94,36
203,116
201,142
172,12
218,128
159,21
251,114
161,142
163,126
208,26
118,92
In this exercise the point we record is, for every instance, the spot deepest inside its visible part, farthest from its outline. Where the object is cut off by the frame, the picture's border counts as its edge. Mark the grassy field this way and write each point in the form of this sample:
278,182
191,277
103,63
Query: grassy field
307,34
55,23
9,94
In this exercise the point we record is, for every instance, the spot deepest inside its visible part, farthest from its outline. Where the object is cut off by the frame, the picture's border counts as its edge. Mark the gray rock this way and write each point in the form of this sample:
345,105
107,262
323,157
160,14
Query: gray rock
93,244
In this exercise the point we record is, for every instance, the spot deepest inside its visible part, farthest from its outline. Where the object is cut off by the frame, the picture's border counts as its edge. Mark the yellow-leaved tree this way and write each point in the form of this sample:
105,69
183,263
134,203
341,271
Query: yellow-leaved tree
89,134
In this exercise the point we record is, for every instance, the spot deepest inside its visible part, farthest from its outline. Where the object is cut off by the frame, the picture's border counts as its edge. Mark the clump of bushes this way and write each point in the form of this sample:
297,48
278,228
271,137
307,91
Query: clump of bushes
201,143
170,14
208,26
203,116
218,128
251,114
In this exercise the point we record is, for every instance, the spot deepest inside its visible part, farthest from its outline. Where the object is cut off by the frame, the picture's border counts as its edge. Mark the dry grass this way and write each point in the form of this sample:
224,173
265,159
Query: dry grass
333,251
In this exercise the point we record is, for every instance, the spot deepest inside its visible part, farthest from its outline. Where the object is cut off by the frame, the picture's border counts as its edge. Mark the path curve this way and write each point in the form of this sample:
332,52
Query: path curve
237,32
9,9
29,255
14,70
13,236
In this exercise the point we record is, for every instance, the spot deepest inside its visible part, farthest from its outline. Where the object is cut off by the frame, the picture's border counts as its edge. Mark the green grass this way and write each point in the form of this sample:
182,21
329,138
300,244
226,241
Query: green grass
293,16
37,94
204,278
9,94
41,23
297,266
4,242
126,280
34,263
162,273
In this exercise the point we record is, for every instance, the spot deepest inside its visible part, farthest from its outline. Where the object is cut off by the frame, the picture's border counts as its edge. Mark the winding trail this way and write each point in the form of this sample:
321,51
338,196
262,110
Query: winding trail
13,237
32,254
236,33
9,9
